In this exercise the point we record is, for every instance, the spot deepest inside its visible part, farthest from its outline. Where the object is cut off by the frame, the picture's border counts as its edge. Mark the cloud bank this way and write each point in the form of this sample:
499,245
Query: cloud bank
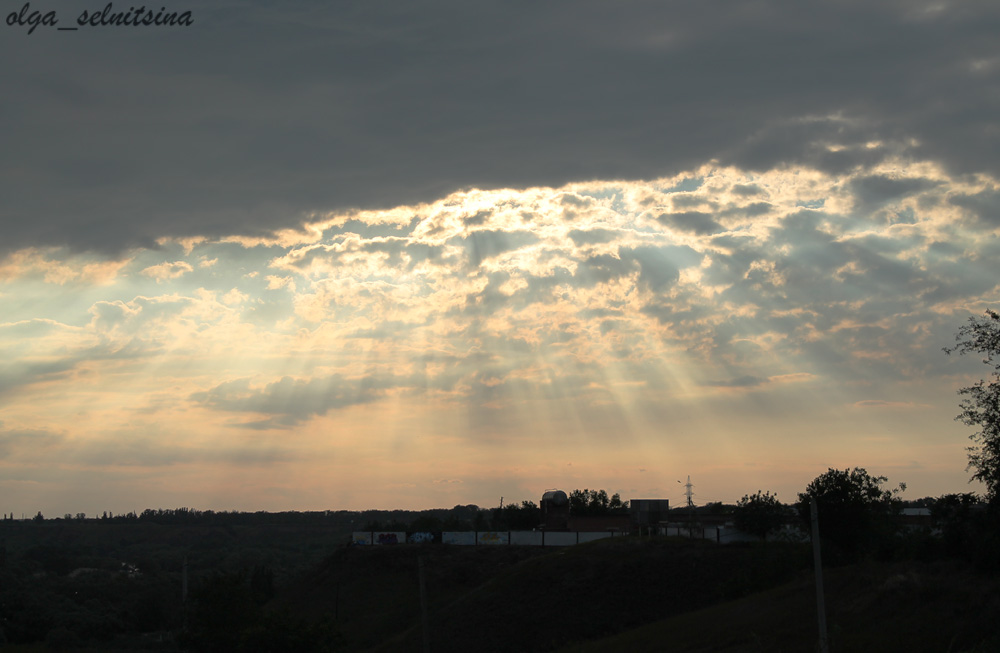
343,105
589,313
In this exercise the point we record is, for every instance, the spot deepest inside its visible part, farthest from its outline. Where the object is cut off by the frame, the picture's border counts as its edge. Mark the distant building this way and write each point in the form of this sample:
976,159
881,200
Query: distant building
555,510
648,513
556,517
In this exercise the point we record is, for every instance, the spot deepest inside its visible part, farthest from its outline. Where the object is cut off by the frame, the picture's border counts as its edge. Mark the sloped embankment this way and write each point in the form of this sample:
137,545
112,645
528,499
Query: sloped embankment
530,599
905,607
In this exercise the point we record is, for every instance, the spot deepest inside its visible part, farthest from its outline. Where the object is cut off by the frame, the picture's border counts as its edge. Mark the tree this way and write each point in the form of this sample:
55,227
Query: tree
759,514
981,406
262,584
952,515
426,523
855,513
226,615
518,517
595,502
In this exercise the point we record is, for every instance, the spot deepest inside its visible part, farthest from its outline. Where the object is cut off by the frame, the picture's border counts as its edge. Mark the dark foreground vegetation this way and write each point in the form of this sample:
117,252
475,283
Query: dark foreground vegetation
871,606
290,582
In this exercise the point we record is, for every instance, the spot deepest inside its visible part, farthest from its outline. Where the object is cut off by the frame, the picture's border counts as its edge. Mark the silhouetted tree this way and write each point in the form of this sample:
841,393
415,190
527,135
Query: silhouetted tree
517,517
426,523
595,502
981,406
952,515
855,513
223,607
227,616
262,584
759,514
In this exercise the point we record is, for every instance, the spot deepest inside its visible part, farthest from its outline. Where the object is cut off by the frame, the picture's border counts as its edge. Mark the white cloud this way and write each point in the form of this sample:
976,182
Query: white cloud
167,271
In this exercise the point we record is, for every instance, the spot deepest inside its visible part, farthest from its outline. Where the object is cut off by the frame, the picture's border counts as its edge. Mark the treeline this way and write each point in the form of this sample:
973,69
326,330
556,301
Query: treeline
191,516
860,518
510,516
117,581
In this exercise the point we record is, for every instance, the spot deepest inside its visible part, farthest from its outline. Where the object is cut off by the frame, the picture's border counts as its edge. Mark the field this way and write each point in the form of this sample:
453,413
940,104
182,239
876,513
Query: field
630,594
294,585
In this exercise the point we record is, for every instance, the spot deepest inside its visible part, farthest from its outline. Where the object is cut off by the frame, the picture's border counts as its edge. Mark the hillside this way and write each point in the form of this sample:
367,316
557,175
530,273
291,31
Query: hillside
269,584
630,594
870,607
529,599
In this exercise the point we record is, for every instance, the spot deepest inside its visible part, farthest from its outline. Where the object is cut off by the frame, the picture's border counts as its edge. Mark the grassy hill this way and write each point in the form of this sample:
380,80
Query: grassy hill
870,607
647,595
529,599
660,594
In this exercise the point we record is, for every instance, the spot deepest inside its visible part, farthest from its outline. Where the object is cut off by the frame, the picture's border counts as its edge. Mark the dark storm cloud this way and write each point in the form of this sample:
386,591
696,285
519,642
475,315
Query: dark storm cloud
601,268
660,266
290,400
808,142
747,190
655,268
695,222
753,210
874,191
985,205
262,112
592,236
482,245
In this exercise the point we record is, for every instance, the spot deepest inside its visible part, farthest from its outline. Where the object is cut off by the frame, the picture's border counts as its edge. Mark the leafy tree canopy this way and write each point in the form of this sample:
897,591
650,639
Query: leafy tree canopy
512,516
855,512
595,502
759,514
981,405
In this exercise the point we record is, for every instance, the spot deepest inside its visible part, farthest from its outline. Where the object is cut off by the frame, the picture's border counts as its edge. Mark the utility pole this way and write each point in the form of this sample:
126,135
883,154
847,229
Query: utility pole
818,565
690,505
423,605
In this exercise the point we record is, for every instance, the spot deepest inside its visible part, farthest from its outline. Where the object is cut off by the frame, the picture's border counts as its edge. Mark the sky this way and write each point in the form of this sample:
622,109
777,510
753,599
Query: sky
415,254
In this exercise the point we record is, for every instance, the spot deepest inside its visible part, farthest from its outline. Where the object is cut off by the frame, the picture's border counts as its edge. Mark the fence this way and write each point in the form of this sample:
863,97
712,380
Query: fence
481,538
727,534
